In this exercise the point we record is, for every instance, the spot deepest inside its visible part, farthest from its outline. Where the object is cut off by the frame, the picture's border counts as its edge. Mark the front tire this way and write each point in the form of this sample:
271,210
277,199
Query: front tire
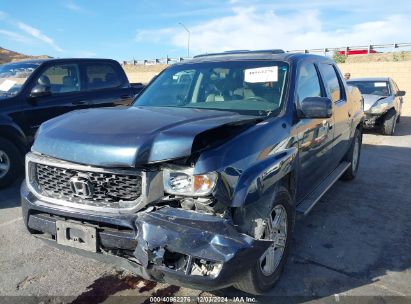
276,225
11,162
389,122
353,156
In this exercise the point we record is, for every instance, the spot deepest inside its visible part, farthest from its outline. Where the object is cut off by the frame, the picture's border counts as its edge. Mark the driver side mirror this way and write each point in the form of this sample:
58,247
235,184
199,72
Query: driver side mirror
316,107
40,90
400,93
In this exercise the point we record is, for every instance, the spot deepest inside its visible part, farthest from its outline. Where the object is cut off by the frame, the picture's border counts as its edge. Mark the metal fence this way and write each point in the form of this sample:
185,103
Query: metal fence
371,47
165,60
325,51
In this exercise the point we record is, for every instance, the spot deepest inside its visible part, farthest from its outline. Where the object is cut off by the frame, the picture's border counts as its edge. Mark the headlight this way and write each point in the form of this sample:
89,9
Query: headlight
379,108
184,182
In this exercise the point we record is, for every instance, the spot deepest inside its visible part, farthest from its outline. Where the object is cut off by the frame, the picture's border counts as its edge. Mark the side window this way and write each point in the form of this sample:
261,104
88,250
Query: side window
61,78
101,76
394,87
308,83
331,81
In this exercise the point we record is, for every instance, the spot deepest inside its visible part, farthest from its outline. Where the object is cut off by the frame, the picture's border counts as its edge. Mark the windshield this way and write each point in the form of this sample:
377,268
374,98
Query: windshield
13,76
380,88
249,87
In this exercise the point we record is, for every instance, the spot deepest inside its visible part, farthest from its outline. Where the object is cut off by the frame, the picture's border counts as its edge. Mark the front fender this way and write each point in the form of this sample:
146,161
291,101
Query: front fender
260,179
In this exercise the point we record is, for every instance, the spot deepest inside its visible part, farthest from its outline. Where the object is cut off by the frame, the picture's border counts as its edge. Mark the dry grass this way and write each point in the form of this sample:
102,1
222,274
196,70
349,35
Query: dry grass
155,68
380,57
143,73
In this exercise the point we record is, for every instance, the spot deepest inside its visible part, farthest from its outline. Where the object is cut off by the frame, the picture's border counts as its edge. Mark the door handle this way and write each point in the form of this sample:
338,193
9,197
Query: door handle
79,103
126,97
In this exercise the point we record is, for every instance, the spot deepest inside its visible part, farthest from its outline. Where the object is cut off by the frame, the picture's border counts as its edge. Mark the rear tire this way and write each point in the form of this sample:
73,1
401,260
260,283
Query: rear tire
265,273
11,162
389,123
353,156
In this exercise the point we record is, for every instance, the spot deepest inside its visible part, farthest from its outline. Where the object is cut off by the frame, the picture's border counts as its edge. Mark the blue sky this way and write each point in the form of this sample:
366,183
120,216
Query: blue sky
126,29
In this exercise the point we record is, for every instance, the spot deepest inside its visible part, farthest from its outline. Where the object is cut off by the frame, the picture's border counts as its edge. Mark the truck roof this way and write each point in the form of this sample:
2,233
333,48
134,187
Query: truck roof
277,55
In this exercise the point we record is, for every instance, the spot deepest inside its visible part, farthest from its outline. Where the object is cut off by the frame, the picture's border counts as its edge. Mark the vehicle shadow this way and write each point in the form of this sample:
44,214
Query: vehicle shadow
10,196
358,235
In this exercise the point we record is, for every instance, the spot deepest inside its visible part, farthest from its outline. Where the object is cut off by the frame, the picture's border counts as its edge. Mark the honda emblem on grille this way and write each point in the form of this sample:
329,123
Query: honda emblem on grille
81,187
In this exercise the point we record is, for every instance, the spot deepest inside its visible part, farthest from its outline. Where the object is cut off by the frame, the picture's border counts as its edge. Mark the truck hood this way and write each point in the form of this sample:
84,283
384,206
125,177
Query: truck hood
370,100
126,137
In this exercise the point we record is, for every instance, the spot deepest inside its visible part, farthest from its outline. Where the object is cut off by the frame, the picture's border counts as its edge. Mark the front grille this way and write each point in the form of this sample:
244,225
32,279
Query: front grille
104,189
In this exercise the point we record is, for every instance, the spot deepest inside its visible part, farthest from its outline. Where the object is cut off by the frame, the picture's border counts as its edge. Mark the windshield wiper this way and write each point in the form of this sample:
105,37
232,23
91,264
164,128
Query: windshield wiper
265,113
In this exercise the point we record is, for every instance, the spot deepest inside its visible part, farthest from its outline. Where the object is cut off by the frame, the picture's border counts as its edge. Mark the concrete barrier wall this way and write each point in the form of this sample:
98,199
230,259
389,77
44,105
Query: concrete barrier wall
399,71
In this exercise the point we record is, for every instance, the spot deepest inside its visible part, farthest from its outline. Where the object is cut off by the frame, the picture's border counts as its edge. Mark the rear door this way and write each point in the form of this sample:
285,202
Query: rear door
106,84
315,136
342,112
63,79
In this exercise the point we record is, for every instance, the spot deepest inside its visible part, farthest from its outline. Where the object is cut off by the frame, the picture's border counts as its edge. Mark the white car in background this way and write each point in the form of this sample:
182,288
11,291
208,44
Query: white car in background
382,102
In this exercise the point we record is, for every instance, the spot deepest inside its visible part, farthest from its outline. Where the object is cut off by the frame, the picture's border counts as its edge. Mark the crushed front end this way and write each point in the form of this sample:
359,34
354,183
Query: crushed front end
124,217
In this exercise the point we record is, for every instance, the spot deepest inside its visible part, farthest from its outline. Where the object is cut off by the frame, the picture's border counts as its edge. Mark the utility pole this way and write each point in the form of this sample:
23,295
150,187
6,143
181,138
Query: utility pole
188,40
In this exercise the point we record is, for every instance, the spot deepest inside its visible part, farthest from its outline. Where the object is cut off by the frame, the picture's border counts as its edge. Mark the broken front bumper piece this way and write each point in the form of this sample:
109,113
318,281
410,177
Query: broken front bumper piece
200,248
170,245
370,120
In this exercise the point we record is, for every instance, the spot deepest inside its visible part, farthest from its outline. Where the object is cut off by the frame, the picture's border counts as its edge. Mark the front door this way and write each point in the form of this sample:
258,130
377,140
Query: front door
63,80
315,136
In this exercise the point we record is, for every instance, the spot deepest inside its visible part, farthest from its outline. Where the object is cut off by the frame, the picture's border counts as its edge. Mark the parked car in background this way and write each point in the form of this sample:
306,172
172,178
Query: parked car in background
34,91
382,102
357,52
200,181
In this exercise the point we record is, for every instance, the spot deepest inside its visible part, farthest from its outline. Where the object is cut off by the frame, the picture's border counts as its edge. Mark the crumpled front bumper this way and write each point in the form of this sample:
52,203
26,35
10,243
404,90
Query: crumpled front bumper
372,119
170,245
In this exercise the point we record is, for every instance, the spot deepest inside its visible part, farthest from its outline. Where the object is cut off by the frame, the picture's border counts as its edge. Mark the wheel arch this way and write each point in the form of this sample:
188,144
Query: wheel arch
14,135
258,182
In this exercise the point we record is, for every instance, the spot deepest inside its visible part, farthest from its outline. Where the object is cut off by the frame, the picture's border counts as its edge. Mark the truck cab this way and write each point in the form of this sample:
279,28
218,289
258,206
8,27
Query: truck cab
34,91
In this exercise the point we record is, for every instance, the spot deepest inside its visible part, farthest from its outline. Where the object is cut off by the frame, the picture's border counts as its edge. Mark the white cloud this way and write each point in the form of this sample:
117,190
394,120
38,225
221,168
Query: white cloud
252,28
36,33
14,36
73,6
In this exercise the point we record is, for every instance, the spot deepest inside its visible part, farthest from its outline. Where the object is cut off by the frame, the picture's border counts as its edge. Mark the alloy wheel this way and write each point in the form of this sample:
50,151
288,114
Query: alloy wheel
4,164
276,231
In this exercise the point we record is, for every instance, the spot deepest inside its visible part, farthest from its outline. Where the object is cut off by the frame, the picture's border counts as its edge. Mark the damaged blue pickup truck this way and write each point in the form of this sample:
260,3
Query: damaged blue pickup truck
199,182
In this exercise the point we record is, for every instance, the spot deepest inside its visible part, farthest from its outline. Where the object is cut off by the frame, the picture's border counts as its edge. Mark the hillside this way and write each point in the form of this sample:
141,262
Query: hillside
8,56
380,57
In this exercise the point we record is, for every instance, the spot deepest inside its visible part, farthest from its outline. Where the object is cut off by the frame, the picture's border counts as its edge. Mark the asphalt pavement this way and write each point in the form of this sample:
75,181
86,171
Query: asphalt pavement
355,246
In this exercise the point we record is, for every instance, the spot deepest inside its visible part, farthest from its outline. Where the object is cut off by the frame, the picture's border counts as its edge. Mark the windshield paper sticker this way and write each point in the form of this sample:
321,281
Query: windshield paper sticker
380,84
258,75
7,85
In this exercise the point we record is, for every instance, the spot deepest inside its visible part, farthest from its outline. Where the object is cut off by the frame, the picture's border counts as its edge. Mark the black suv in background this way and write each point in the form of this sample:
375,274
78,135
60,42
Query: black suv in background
34,91
199,182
